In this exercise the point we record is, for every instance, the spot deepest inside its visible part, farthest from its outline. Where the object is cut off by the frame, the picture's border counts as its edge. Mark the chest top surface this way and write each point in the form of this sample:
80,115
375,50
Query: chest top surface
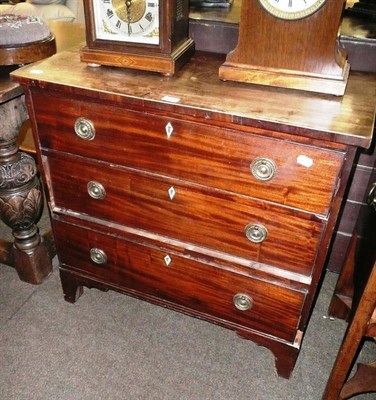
196,91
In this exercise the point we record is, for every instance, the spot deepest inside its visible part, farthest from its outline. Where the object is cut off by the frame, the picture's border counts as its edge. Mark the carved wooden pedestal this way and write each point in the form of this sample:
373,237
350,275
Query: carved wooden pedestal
20,190
21,200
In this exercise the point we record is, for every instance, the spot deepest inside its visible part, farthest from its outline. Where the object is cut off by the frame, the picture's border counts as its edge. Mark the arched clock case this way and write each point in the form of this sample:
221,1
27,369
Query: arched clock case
291,44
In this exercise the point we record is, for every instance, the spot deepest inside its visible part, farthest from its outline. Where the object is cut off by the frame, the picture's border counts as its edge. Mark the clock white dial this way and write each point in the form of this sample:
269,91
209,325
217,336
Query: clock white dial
292,9
133,21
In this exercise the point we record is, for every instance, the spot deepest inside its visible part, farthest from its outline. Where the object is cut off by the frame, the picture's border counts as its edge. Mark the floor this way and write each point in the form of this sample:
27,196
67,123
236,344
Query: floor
110,346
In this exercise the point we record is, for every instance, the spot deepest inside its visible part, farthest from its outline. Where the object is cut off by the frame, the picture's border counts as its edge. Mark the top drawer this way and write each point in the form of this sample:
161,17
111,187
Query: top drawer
288,173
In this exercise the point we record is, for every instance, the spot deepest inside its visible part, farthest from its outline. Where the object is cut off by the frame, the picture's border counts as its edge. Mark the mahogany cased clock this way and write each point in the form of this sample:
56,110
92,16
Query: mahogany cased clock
290,44
149,35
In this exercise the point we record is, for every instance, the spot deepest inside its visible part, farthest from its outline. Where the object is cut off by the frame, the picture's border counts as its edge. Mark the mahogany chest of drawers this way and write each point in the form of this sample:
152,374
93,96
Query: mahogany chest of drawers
212,198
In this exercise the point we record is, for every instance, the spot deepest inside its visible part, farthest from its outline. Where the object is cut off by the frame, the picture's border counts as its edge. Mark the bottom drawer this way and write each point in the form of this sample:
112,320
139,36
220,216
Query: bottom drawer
208,290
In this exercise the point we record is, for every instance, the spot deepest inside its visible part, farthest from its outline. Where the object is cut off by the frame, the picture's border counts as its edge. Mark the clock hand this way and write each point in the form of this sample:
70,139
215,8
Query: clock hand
128,4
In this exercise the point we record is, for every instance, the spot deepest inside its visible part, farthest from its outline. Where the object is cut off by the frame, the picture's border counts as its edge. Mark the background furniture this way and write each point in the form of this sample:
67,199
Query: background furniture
21,195
355,298
31,256
190,193
49,10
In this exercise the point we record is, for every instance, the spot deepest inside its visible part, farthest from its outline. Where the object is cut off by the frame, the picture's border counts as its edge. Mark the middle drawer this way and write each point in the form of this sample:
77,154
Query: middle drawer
198,215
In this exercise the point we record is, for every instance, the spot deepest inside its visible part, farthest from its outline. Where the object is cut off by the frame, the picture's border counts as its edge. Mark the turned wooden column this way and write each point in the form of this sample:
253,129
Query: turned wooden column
21,199
23,40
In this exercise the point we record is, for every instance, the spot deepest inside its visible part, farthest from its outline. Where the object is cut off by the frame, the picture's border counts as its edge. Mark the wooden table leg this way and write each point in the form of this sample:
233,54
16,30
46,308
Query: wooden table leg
341,303
361,324
363,381
21,200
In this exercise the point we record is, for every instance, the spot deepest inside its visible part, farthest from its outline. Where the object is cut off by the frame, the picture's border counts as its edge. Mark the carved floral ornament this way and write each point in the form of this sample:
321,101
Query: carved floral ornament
15,174
22,210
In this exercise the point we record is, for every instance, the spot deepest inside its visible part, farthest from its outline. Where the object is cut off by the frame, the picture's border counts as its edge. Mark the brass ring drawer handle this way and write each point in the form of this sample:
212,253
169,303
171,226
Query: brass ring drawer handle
256,233
371,200
98,256
96,190
84,129
263,169
243,302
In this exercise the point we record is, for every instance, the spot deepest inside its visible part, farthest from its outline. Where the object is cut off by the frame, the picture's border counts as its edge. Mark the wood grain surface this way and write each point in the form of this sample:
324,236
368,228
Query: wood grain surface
196,286
218,129
220,158
196,214
197,91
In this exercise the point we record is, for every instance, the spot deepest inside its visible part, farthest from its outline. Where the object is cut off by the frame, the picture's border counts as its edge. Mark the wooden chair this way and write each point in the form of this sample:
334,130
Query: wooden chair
355,298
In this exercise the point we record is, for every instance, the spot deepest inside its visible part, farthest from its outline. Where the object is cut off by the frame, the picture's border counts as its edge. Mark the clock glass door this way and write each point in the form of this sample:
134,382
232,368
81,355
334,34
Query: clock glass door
130,21
292,9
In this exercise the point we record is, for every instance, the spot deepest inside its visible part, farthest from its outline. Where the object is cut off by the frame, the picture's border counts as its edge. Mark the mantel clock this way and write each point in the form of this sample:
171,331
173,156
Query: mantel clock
291,44
150,35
